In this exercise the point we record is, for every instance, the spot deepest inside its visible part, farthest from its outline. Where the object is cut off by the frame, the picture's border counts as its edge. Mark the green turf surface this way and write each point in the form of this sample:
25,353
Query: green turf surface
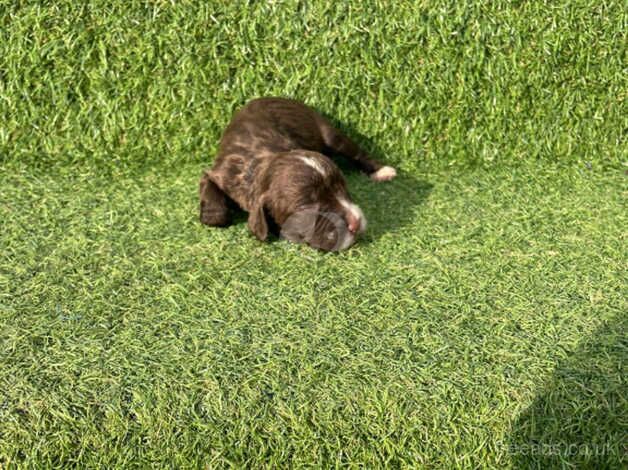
480,322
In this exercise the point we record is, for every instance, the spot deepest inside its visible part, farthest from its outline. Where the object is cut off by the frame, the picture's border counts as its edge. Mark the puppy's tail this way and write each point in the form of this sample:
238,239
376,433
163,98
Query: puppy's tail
338,143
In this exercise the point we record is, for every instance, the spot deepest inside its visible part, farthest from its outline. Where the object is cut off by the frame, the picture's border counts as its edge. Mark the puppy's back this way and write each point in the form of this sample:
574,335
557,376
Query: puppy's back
267,126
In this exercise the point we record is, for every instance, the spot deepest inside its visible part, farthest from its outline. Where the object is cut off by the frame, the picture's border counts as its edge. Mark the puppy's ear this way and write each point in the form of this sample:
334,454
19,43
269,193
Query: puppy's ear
299,227
257,221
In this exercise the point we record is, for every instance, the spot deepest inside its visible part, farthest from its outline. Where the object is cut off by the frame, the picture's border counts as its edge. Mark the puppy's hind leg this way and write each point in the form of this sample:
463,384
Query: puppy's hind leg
214,208
337,142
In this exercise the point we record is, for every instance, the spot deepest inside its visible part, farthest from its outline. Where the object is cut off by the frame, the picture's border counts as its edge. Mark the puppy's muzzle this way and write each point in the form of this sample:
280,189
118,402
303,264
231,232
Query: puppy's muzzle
327,231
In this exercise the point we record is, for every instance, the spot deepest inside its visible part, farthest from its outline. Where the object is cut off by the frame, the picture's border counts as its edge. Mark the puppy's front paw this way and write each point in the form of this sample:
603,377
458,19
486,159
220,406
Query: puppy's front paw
214,216
385,173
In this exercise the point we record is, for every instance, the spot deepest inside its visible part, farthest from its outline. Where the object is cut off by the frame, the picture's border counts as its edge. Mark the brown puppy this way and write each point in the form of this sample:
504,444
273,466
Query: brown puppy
272,163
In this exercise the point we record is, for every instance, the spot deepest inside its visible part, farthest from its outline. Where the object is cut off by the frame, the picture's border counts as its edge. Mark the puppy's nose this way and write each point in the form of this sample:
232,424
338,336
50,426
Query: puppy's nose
353,223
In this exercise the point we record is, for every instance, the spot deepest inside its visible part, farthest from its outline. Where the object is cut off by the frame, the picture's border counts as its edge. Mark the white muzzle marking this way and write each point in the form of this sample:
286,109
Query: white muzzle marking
355,212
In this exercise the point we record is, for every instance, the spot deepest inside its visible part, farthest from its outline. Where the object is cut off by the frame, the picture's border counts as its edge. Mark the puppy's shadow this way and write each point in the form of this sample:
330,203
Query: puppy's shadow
390,205
387,205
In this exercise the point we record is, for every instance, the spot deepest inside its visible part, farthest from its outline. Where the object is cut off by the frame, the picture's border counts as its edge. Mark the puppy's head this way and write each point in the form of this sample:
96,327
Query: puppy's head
307,198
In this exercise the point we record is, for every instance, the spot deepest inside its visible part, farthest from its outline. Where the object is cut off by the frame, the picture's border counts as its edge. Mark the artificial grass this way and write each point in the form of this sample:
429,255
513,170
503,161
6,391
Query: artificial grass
481,321
132,334
134,83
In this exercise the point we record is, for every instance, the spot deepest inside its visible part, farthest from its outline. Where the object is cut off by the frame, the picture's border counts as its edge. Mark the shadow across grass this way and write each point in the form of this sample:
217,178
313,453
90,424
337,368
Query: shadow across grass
388,206
581,419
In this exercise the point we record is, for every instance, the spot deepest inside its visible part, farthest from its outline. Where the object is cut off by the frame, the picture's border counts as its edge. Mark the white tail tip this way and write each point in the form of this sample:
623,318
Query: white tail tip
385,173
